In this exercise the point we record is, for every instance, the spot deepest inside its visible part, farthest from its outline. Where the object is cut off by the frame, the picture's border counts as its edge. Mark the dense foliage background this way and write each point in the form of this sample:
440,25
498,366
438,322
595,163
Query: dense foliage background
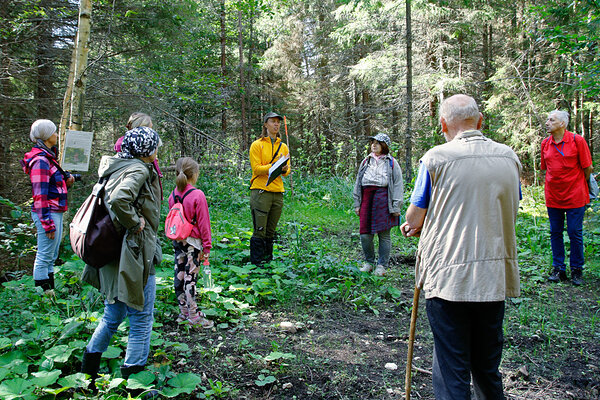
207,70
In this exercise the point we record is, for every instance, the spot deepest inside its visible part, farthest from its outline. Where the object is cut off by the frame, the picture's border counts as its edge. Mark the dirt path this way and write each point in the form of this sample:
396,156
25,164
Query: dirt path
340,352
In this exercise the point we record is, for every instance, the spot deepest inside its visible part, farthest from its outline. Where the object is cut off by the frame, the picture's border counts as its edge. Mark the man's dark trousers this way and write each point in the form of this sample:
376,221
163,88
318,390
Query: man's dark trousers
467,342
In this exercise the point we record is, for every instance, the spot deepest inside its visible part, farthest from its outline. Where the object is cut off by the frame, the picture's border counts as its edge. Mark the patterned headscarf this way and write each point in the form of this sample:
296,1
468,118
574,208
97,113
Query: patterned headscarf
139,142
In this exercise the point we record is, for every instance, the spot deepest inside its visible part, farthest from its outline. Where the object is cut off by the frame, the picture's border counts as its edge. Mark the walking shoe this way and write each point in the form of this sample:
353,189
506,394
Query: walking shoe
576,277
366,267
558,276
181,318
201,322
379,271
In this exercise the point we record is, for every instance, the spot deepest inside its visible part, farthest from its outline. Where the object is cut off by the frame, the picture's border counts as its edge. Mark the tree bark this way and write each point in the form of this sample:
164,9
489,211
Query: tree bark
83,36
409,95
244,138
223,69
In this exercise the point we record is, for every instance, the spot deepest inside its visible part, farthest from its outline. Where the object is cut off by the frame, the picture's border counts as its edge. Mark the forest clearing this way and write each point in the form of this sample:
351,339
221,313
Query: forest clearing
348,324
307,324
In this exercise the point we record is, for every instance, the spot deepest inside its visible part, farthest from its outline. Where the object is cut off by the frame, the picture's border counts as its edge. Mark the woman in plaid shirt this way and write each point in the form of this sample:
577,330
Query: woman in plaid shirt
49,185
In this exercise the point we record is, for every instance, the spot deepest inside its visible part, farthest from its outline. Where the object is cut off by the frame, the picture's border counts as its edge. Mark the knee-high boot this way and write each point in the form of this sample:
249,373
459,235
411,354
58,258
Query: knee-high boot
269,250
257,251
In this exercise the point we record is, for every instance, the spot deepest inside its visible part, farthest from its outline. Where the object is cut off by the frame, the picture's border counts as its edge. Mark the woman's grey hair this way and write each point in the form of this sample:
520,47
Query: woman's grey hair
42,129
459,107
138,119
561,116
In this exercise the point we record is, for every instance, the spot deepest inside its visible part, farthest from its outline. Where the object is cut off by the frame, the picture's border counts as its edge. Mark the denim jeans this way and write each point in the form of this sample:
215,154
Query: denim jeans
467,343
47,249
140,327
385,244
575,231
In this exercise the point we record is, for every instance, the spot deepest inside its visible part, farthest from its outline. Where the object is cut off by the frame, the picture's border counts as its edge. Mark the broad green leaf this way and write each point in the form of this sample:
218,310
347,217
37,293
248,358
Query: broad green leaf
181,347
5,342
141,380
264,380
112,352
45,378
276,355
395,293
74,381
71,328
59,354
115,383
186,381
15,388
173,392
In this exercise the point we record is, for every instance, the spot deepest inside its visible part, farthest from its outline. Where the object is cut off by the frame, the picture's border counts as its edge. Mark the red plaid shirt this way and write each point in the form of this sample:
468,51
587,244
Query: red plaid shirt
48,185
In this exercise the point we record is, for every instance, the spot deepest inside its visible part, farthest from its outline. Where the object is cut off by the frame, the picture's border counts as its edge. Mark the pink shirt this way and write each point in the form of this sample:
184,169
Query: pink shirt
195,206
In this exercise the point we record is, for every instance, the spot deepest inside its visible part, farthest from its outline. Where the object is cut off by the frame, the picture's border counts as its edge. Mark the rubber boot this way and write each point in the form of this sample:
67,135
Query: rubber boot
257,251
44,284
90,364
51,279
269,250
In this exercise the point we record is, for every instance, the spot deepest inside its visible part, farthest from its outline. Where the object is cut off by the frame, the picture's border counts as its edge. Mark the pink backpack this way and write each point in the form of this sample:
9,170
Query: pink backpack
177,226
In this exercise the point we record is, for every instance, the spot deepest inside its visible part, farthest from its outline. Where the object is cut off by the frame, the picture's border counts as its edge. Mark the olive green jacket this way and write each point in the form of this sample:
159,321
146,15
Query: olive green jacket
132,191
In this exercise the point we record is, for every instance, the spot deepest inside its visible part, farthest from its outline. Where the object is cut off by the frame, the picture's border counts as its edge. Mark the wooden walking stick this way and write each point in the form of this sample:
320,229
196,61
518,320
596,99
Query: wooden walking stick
411,341
287,139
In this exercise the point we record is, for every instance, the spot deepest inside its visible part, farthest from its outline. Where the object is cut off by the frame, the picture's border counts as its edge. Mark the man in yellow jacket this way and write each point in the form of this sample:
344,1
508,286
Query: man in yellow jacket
266,198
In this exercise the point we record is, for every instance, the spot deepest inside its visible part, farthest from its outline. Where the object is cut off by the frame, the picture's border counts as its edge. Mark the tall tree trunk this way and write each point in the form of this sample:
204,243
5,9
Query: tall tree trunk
85,14
223,69
73,100
44,89
366,100
244,138
409,95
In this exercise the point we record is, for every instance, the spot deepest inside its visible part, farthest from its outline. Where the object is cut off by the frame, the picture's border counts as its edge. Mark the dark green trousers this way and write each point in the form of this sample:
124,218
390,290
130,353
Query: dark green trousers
266,210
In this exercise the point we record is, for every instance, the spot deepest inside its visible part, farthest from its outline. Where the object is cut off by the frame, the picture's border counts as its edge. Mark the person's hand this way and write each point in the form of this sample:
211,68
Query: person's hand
395,214
142,224
407,231
285,168
70,180
357,211
51,235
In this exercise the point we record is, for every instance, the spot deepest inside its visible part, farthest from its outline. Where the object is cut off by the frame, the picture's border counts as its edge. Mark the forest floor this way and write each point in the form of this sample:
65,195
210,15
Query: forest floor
345,325
341,351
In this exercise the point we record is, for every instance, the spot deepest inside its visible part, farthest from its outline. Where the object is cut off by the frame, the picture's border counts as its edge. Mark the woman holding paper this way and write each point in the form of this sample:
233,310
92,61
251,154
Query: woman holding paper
266,187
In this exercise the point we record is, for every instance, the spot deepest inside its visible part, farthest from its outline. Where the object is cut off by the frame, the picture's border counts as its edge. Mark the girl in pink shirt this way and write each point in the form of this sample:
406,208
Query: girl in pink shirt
193,251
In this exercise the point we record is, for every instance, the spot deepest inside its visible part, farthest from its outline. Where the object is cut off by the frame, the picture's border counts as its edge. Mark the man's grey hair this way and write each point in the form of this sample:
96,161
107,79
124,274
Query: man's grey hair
561,116
42,129
459,107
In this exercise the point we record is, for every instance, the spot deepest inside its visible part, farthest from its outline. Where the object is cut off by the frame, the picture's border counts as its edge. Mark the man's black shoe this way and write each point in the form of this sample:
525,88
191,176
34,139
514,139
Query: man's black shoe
576,277
558,276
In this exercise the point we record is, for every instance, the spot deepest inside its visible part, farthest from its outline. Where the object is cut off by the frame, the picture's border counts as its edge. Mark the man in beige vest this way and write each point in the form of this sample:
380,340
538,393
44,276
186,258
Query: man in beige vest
464,207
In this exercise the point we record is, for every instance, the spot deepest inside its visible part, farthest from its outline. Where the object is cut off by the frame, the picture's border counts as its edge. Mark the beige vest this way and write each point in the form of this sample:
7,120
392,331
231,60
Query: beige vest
467,250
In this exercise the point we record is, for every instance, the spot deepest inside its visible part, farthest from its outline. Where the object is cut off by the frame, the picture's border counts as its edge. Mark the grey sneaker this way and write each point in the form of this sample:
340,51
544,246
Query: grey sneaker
379,271
366,267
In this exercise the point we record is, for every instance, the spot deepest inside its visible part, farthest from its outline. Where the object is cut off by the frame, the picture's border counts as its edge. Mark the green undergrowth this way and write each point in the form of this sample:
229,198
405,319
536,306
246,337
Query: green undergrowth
316,261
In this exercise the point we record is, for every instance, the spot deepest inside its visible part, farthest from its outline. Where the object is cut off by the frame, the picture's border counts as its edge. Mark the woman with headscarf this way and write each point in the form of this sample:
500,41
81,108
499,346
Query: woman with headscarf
136,120
49,185
133,198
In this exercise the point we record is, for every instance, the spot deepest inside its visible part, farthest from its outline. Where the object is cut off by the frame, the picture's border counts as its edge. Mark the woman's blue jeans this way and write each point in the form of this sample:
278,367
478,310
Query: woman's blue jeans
575,231
47,249
385,245
140,327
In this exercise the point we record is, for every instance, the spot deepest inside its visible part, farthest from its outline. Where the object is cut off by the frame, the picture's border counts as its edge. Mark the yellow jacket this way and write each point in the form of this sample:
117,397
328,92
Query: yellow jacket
261,153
